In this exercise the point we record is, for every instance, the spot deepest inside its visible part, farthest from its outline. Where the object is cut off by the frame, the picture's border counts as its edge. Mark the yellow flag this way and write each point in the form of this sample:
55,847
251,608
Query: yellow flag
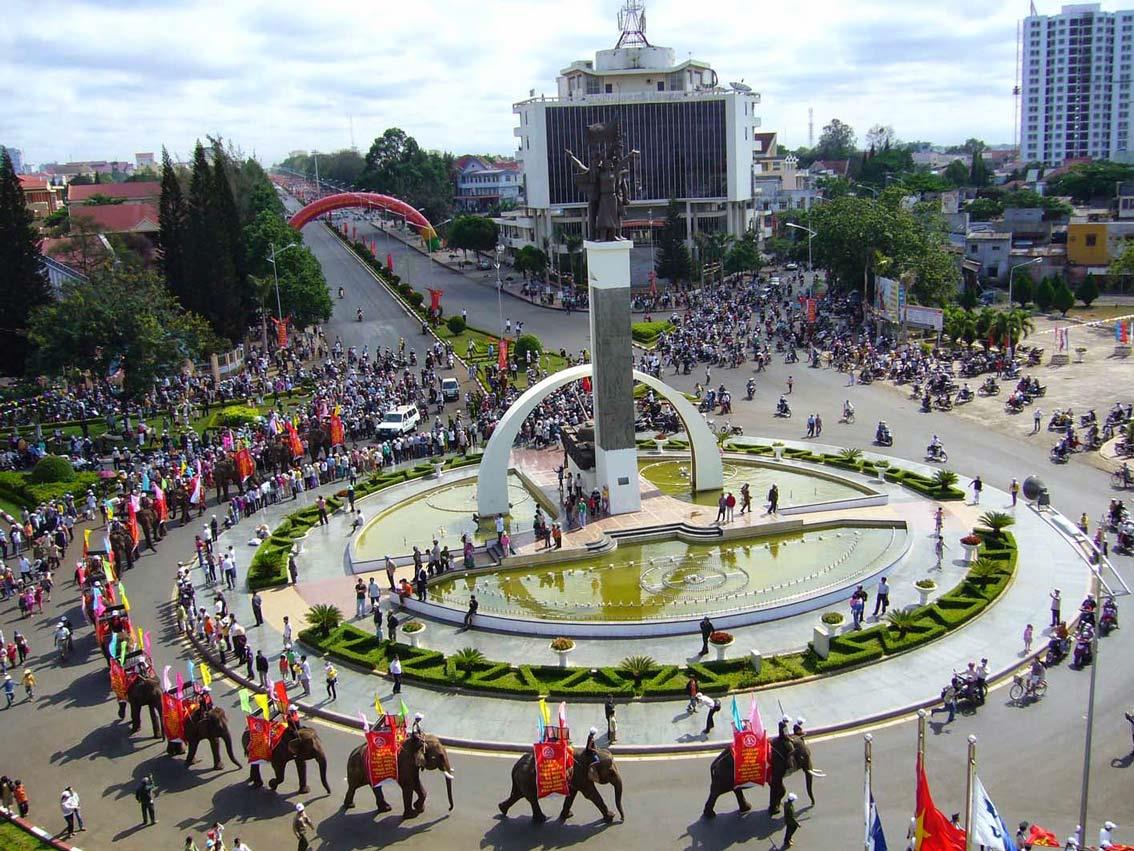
544,711
206,675
86,540
262,702
122,594
378,706
141,636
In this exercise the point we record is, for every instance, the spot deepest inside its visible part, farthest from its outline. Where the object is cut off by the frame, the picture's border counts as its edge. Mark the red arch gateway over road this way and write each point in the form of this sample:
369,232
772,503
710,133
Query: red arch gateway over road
342,200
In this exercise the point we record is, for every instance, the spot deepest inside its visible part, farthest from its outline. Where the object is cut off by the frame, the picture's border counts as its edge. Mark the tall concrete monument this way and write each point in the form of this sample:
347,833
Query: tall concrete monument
606,184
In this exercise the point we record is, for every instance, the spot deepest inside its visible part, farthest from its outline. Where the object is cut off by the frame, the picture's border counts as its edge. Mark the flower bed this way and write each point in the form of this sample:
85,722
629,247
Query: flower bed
721,637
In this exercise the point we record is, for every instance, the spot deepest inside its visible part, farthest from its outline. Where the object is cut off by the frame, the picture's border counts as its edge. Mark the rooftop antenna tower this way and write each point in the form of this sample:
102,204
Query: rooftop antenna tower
632,24
811,127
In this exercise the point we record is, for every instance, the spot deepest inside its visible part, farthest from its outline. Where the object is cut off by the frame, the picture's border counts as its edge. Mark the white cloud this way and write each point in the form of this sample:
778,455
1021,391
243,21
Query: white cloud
106,78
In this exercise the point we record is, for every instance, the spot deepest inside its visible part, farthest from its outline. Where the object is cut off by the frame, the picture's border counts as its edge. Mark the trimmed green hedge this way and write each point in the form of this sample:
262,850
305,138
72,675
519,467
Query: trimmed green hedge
648,332
18,488
851,649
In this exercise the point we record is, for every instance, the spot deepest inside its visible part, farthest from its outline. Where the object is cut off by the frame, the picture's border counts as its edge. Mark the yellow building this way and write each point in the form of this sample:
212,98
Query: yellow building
1087,244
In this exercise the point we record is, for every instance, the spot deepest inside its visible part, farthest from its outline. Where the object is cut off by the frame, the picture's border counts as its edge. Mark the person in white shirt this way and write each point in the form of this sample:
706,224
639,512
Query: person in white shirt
69,804
1105,840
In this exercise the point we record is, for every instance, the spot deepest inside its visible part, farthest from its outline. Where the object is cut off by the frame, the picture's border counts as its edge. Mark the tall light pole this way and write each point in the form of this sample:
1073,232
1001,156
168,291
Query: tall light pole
275,275
1010,276
499,288
810,268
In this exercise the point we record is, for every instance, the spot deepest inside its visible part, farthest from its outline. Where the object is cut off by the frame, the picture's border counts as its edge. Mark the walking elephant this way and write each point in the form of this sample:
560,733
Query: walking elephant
788,754
413,757
150,525
122,545
299,744
276,457
224,476
144,691
209,724
583,780
177,501
318,439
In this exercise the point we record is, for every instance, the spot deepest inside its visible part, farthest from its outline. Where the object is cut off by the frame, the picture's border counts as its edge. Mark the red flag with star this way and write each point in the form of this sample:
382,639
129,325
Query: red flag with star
934,832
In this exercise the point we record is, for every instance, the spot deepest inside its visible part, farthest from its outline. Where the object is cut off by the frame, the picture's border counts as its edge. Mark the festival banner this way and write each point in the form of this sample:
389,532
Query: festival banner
259,740
279,690
553,763
132,521
338,433
160,505
118,680
245,466
294,441
262,702
1040,838
749,758
434,299
172,719
281,332
381,754
502,355
812,306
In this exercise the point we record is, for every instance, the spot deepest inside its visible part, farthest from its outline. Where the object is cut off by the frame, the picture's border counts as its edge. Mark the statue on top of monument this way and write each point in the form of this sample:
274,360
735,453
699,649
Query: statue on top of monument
606,182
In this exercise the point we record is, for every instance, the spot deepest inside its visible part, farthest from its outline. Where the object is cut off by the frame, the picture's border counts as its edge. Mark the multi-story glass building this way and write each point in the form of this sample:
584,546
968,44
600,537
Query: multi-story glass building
696,139
1075,84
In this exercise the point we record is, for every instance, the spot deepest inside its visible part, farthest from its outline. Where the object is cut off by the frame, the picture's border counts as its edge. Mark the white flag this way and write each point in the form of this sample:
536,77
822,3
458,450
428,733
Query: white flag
987,827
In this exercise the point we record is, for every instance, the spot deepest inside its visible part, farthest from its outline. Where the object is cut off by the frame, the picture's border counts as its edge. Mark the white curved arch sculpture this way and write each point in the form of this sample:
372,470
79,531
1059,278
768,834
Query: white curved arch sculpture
492,484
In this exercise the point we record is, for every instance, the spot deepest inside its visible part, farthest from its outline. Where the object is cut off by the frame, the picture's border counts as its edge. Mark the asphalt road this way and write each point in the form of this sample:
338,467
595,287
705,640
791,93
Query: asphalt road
1029,759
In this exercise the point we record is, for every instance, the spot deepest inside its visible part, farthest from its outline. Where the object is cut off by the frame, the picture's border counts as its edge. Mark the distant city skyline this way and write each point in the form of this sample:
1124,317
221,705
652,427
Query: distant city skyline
108,78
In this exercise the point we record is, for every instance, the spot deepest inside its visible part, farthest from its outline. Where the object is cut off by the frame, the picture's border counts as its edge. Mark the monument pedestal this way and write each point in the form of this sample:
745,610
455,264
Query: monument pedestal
616,453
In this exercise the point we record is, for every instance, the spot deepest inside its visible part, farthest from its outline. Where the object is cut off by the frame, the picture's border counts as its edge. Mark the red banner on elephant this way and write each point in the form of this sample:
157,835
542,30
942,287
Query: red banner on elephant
245,466
338,433
259,740
553,763
749,758
118,681
172,718
381,756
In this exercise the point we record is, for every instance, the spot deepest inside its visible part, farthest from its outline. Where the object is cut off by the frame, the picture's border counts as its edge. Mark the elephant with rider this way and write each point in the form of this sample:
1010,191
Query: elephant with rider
591,769
787,754
209,723
417,753
298,744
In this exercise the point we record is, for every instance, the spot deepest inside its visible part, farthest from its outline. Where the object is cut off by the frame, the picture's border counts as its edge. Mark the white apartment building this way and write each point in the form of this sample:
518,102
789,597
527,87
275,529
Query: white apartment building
696,138
1075,84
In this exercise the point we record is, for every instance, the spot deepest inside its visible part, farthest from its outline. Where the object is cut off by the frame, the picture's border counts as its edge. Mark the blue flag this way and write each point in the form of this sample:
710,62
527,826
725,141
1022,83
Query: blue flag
737,722
875,838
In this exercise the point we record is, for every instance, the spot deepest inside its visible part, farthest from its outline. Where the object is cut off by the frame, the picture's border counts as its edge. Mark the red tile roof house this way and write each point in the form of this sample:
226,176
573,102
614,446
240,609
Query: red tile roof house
119,218
149,191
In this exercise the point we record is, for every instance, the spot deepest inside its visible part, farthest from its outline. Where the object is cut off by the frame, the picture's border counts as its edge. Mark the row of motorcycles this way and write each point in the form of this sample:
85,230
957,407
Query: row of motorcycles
1079,645
1092,435
1119,522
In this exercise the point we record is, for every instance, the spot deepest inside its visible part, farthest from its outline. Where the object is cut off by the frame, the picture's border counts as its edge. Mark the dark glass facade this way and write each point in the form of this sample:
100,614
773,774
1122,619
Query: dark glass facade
683,147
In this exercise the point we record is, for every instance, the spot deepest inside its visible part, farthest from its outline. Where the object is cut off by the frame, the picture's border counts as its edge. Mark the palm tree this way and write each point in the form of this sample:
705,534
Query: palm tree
902,621
324,617
996,522
985,319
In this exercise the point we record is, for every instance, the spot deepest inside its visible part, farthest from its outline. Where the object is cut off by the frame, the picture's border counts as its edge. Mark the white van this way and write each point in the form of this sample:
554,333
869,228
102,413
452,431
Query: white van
398,421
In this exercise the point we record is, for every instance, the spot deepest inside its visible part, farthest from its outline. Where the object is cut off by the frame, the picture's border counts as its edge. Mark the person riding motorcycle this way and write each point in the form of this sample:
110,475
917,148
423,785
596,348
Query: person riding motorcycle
359,314
1109,617
342,293
848,410
882,433
750,387
965,394
782,406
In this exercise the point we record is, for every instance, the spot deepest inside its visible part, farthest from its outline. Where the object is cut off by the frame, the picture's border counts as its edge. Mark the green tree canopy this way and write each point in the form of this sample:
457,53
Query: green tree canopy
530,261
744,255
396,165
672,261
343,166
1086,181
985,209
956,173
1063,299
1044,295
1123,264
1022,287
23,281
1088,290
303,288
118,320
978,170
836,142
473,233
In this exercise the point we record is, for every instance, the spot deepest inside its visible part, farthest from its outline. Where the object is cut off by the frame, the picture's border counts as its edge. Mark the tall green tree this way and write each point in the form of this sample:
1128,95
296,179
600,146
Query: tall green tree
836,142
978,171
23,281
956,173
396,165
303,293
473,233
673,262
530,261
1022,289
173,218
744,255
230,296
1087,181
118,320
1063,299
1088,290
1044,295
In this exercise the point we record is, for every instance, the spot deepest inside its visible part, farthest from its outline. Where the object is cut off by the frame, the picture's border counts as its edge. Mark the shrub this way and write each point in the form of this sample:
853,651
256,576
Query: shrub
560,645
944,479
637,667
832,618
52,468
850,455
467,658
721,637
324,617
456,324
927,584
1088,290
234,416
903,622
527,343
996,522
410,627
648,332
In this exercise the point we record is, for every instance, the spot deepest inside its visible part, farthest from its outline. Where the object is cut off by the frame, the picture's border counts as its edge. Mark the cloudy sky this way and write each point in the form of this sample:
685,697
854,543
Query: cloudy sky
106,78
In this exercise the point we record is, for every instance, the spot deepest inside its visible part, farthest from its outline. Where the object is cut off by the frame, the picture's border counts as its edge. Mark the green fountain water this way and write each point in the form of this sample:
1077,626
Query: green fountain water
673,579
672,477
444,513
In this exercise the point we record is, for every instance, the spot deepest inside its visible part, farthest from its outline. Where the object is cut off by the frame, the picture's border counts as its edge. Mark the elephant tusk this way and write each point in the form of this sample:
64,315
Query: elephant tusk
448,775
815,772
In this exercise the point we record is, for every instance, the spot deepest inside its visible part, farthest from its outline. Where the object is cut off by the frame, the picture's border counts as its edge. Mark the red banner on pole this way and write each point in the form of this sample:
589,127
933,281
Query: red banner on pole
502,355
294,441
587,384
279,691
554,761
812,309
172,718
245,466
281,332
390,262
338,433
749,758
435,299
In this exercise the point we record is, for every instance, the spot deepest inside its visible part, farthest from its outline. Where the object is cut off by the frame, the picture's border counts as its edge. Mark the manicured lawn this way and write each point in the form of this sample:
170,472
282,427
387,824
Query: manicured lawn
14,839
1099,310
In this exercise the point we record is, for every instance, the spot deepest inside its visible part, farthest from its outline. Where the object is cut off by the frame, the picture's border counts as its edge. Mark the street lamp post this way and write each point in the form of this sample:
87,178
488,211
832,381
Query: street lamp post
1086,782
275,274
499,288
810,267
1011,275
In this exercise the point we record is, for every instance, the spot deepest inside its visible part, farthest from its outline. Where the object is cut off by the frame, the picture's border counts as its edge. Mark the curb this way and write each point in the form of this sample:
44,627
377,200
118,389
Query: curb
38,832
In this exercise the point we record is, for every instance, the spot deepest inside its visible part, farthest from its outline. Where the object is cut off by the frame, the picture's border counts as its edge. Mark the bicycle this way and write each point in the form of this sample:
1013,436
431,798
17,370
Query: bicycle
1021,689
